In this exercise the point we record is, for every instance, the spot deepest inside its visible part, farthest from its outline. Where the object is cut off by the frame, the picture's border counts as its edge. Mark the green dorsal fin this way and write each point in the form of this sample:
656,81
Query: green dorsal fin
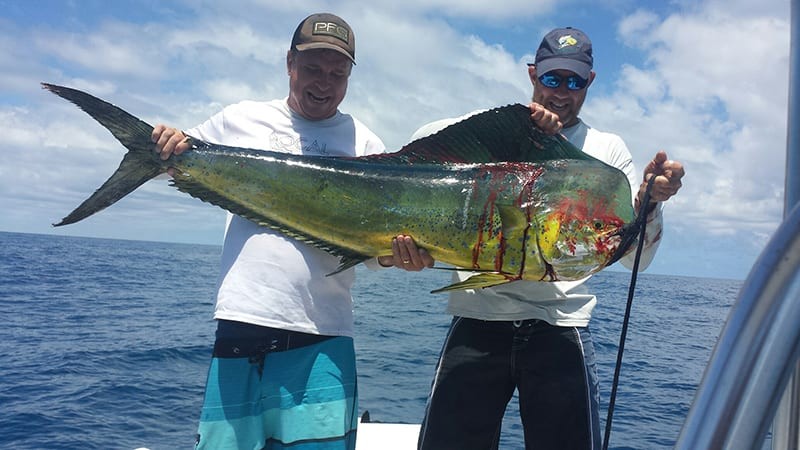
500,134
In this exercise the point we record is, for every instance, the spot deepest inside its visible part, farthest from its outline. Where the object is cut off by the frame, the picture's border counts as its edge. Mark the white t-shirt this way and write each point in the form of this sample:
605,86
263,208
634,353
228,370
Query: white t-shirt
561,303
266,278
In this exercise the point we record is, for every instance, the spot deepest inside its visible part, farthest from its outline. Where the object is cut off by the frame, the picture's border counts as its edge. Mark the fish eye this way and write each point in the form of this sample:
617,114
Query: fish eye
598,225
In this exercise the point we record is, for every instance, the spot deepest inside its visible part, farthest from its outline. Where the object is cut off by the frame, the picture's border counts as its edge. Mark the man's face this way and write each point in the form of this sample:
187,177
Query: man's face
560,100
317,82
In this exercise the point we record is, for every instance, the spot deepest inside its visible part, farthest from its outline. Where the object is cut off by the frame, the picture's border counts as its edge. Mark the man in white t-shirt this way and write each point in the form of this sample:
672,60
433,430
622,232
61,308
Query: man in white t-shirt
283,370
534,336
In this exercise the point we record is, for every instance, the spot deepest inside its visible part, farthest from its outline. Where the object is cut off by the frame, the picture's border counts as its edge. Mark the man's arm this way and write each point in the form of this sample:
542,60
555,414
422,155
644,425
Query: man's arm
668,175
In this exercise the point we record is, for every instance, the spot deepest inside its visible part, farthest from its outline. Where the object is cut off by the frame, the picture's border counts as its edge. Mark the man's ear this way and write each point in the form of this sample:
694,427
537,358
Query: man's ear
289,61
591,78
532,72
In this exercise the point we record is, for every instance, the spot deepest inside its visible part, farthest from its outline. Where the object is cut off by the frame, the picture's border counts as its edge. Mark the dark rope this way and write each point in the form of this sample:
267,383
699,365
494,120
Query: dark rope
641,220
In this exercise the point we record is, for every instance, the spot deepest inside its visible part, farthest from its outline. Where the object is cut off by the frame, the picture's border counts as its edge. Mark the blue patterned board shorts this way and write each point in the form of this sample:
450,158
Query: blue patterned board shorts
302,399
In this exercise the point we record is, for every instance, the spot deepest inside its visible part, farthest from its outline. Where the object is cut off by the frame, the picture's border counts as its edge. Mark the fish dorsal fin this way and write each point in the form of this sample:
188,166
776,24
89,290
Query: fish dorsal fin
500,134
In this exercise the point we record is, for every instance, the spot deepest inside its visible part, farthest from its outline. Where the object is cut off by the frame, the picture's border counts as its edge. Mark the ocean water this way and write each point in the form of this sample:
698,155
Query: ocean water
106,344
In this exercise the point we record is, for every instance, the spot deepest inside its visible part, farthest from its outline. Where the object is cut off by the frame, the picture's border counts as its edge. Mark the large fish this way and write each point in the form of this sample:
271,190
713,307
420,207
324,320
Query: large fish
491,194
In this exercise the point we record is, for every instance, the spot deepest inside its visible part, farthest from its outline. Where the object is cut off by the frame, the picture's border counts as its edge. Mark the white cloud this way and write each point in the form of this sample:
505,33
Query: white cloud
115,49
714,93
471,9
642,84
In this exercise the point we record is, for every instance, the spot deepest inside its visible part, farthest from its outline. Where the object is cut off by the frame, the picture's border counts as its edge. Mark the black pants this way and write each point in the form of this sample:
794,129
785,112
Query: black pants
481,365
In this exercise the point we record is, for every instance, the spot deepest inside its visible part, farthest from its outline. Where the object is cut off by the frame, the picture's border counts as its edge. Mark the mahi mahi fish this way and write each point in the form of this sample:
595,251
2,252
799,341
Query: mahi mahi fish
492,194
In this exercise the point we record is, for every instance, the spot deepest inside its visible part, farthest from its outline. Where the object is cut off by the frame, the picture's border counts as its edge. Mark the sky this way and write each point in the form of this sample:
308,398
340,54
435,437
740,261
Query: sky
706,81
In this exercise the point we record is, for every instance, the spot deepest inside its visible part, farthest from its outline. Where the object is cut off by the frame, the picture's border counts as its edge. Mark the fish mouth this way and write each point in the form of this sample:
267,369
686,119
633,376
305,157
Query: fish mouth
628,235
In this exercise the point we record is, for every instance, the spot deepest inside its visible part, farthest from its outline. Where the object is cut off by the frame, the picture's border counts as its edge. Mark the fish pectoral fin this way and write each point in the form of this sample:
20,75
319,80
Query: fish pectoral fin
513,218
480,281
548,229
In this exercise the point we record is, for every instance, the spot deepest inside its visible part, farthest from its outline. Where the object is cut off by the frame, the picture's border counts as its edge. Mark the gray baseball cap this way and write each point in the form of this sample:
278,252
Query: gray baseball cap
565,48
328,31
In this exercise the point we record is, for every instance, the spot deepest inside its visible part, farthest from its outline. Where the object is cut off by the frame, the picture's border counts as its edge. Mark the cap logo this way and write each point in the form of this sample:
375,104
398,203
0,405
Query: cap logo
330,29
566,41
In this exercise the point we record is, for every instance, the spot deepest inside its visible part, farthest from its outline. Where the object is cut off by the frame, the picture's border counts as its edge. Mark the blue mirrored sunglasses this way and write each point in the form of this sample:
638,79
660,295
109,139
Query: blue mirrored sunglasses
574,82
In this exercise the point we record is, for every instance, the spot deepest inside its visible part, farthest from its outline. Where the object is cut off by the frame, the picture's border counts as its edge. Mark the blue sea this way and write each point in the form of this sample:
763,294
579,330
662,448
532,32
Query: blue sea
106,344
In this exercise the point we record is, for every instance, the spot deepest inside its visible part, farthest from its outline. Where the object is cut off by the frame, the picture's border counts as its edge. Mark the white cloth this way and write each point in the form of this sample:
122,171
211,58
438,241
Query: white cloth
268,279
561,303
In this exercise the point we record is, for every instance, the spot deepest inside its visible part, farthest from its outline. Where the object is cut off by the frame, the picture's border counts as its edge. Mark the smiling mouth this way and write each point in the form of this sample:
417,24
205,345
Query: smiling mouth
316,99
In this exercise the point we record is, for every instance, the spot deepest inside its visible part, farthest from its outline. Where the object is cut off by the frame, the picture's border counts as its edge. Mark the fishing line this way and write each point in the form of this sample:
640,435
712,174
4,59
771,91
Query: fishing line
641,220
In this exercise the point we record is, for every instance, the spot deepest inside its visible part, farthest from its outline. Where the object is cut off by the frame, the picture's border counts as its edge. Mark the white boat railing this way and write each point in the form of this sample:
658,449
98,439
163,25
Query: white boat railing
757,352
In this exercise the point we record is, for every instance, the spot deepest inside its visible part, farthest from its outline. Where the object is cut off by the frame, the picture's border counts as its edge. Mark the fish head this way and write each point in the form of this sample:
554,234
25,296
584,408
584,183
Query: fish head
579,234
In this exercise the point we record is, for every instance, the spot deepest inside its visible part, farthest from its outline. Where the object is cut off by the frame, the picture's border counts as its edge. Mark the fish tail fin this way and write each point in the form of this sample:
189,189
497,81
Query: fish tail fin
136,167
